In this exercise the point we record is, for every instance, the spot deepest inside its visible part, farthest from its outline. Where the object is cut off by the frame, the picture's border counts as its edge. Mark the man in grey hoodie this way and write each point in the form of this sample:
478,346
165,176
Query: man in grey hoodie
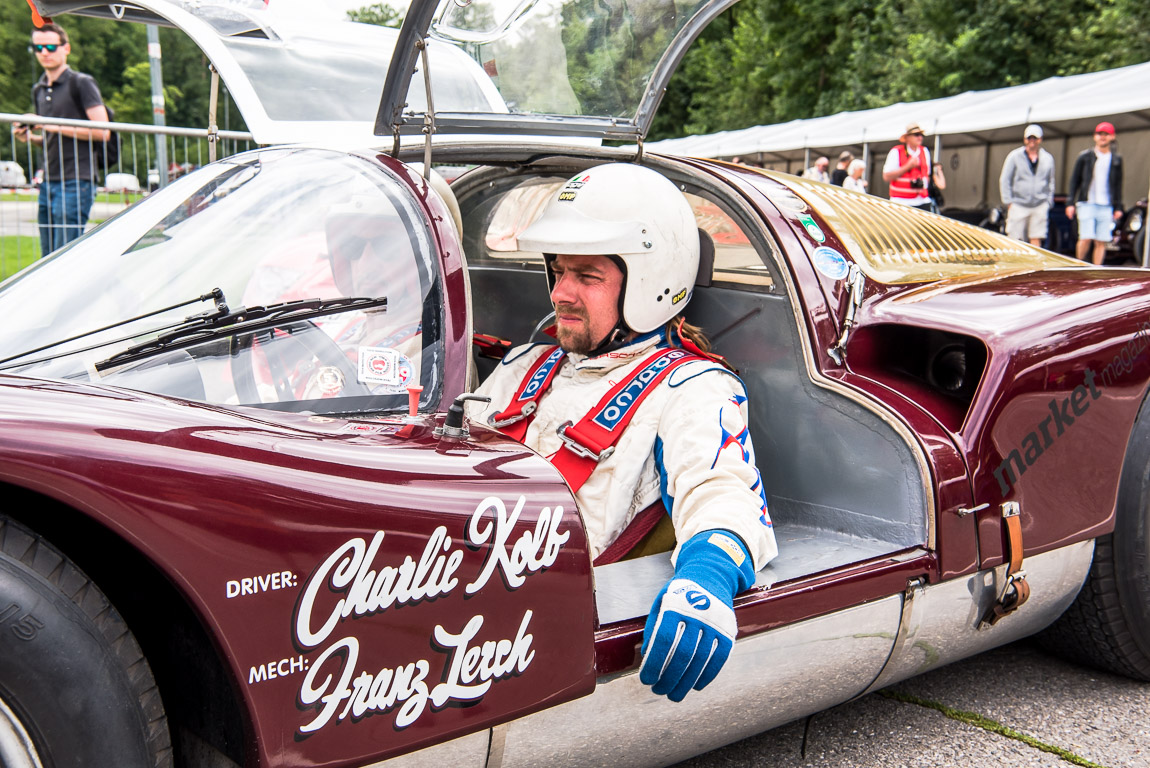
1027,188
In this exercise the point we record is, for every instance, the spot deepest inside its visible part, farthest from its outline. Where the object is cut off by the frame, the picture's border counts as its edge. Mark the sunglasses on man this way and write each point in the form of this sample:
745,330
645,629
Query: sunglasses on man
49,47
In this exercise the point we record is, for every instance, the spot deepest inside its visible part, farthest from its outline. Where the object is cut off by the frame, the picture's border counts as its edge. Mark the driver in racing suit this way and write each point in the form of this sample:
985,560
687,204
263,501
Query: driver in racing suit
632,411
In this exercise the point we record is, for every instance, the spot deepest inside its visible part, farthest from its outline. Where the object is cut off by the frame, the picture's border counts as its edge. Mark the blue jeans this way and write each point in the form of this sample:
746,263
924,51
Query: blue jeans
64,209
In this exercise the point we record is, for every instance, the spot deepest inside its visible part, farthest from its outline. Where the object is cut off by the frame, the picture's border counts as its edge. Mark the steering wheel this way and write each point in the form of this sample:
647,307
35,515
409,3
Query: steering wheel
547,320
284,369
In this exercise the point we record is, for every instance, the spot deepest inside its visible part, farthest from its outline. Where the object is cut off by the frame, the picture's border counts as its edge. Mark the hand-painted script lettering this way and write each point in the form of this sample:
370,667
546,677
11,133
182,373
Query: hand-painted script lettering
349,571
531,552
349,584
472,667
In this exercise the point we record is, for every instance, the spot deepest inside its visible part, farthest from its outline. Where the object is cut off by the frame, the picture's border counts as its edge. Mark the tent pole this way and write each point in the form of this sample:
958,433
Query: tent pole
1146,238
1065,155
806,158
986,177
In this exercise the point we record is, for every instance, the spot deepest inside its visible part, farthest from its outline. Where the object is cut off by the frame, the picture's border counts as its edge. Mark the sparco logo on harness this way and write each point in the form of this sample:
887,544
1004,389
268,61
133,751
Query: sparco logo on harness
613,412
542,374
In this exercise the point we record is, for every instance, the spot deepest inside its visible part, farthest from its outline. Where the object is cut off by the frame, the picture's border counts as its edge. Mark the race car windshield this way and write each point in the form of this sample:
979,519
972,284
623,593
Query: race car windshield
267,228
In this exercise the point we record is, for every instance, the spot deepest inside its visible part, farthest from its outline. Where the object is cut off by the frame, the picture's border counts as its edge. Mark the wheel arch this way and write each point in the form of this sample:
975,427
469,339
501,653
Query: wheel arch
199,695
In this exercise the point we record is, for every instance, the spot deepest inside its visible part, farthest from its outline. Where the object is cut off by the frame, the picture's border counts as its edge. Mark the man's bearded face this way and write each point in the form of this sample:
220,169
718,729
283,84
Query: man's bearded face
586,299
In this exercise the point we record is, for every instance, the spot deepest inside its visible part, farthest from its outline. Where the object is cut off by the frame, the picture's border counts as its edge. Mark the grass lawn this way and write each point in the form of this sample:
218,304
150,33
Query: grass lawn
118,197
17,252
101,197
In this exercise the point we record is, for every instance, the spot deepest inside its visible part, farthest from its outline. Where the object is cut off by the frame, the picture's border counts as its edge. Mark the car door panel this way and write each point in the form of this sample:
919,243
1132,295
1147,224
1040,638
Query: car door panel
371,587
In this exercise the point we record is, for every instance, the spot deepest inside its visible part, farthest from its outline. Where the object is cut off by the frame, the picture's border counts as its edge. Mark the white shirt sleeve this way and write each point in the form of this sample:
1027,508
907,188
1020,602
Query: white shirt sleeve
892,164
707,461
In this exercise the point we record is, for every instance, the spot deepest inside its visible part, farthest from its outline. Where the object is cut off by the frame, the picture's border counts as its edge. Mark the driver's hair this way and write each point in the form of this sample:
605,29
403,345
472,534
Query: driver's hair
692,333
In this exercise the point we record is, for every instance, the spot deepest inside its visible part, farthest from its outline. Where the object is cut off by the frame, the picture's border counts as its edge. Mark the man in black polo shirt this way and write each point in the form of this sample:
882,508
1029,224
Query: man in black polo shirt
70,160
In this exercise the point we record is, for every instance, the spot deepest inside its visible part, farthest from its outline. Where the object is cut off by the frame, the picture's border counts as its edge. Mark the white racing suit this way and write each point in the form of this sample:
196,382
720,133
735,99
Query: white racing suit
688,441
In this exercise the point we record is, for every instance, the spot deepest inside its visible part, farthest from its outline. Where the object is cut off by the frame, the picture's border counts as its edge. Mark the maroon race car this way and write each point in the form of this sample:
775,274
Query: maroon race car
247,521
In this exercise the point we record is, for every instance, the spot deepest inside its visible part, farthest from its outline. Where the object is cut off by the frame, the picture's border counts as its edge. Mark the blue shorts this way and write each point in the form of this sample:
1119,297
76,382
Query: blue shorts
1095,222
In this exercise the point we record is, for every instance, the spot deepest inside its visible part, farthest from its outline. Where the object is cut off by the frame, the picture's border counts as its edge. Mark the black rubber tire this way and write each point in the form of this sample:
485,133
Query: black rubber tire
1108,625
1140,243
70,670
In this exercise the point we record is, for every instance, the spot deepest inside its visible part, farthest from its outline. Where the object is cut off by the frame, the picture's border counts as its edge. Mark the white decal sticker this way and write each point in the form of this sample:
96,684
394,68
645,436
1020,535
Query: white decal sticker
786,199
378,365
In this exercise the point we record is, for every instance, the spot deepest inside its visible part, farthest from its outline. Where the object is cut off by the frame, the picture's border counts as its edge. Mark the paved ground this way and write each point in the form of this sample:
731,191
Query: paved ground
1093,718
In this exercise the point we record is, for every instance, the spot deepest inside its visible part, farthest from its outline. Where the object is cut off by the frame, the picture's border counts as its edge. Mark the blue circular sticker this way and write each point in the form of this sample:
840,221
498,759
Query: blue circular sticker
831,263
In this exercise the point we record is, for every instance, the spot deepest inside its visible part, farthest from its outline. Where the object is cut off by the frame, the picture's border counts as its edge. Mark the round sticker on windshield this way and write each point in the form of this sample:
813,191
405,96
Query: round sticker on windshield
831,263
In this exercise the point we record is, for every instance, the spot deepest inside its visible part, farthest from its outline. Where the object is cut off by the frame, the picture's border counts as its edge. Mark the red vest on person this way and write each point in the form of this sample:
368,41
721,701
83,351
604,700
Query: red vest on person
901,187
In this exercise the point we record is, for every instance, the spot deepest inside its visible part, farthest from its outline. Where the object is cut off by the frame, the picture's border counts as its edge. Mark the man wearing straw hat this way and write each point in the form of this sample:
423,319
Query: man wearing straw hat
908,168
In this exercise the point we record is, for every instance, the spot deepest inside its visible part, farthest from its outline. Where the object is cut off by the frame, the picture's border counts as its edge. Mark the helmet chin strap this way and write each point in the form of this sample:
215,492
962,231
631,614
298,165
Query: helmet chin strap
616,338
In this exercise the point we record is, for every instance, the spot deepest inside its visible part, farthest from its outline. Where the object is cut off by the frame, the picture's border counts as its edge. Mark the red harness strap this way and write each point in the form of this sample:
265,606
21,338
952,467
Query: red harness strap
593,439
516,417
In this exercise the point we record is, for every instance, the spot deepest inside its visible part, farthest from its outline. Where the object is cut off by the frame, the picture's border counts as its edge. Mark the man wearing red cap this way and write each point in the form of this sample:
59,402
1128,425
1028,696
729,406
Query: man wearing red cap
1096,193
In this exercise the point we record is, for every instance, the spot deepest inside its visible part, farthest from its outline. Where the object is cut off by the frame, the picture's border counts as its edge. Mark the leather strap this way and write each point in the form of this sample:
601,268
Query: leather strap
1015,589
593,439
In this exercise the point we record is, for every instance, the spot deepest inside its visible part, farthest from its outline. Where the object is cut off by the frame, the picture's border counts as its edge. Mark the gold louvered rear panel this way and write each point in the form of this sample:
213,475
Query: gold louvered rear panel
894,244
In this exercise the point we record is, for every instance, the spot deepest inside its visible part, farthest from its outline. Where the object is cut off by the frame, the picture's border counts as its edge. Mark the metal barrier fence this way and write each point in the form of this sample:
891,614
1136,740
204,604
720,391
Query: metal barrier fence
38,215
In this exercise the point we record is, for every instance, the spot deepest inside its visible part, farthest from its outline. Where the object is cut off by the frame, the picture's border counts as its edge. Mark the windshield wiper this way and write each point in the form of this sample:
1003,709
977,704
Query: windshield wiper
212,325
216,295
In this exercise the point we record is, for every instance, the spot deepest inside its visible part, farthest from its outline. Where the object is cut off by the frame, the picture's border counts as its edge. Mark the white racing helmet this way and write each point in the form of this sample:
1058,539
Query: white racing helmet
639,216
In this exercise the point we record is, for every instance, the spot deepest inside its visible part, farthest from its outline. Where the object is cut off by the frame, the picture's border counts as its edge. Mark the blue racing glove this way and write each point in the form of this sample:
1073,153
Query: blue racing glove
691,628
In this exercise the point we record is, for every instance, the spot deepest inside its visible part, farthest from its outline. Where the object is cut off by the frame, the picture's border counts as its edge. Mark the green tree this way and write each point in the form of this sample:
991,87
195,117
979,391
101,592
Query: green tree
132,103
769,61
380,14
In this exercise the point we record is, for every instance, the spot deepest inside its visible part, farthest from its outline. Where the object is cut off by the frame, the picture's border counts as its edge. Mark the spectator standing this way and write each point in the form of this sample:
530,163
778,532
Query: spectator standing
1096,193
935,187
69,158
908,169
854,180
818,171
841,170
1026,186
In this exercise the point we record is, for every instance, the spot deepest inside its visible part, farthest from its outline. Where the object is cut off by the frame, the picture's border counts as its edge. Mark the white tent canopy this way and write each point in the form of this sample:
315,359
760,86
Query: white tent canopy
1064,106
